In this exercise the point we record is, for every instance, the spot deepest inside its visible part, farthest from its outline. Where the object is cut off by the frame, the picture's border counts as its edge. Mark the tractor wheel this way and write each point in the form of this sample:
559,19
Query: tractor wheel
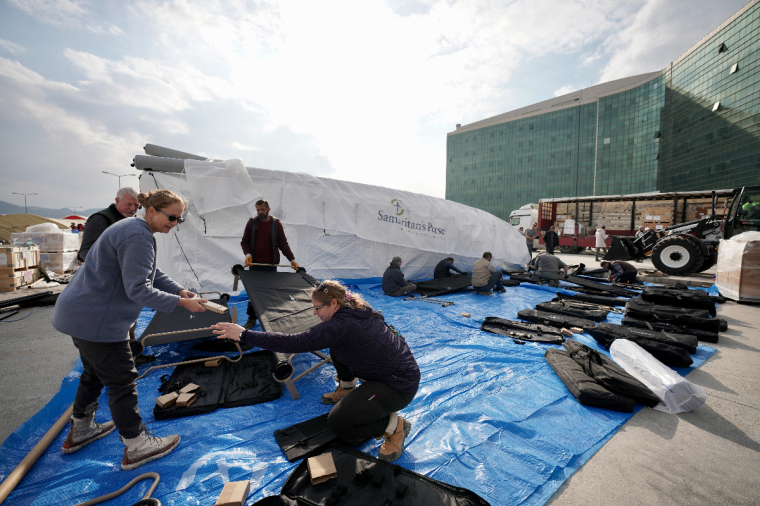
567,249
677,255
710,260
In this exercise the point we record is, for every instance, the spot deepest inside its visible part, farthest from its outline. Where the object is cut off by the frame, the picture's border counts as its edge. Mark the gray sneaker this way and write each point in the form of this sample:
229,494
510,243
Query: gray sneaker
489,292
250,324
145,448
83,431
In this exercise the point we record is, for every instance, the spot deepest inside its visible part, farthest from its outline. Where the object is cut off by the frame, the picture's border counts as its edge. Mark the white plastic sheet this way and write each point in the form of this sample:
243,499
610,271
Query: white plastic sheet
335,228
677,394
219,185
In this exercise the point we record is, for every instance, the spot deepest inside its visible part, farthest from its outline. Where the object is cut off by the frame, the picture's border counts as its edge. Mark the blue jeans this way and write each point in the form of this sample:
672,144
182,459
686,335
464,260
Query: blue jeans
495,281
530,249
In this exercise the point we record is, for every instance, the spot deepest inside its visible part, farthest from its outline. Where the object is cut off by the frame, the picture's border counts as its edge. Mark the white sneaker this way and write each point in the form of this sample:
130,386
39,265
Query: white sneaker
145,448
83,431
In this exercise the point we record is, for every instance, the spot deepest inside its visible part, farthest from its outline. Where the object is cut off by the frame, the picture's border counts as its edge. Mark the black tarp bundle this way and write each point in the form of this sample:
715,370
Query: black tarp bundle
366,480
670,349
306,437
581,270
35,299
585,388
553,319
230,384
610,375
574,309
434,287
688,318
182,319
702,335
690,299
594,299
601,287
522,331
525,277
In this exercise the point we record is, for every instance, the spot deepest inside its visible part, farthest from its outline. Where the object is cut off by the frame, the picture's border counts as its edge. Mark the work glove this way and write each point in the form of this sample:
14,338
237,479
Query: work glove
248,260
294,265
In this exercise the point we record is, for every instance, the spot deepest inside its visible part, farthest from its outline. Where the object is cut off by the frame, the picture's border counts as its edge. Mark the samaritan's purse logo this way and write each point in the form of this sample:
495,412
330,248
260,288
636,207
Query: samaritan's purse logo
397,204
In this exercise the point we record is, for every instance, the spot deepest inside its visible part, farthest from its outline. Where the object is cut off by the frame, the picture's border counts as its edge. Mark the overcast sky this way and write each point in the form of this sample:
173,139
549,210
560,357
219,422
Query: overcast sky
357,90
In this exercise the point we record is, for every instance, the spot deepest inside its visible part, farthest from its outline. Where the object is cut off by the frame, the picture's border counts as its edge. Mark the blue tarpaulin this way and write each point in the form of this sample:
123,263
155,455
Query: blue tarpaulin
490,416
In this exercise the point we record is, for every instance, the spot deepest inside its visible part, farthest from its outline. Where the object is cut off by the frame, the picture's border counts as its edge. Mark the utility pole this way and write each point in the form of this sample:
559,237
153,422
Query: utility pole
118,175
24,194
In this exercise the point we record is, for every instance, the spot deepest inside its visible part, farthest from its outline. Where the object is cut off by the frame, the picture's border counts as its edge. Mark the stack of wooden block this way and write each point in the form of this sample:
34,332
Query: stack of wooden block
19,266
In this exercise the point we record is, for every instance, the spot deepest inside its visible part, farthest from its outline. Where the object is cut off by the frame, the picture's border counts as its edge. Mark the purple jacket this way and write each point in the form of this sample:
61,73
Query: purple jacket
363,344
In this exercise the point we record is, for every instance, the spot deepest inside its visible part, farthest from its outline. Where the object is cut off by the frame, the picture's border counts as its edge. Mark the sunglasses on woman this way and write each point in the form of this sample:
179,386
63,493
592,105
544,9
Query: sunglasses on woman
172,218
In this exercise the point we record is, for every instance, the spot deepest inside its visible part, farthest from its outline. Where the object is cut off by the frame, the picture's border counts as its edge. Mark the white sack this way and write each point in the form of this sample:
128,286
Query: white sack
677,394
47,228
219,185
336,229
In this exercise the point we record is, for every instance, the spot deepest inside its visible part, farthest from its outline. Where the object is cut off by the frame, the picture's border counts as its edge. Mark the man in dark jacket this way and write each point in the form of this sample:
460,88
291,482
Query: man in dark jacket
551,239
263,239
125,207
444,267
394,283
621,272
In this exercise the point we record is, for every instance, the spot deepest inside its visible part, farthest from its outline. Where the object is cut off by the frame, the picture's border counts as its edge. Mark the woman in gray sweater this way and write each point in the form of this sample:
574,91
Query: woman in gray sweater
361,346
97,309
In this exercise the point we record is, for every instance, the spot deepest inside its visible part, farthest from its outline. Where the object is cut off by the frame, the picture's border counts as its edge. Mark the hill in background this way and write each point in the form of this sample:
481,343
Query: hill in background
8,208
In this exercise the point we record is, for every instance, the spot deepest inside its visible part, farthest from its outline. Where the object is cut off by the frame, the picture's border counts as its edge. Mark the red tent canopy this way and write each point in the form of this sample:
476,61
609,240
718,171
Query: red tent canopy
74,217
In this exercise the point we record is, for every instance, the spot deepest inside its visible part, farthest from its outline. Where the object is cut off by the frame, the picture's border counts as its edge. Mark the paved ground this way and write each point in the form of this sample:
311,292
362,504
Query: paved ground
708,456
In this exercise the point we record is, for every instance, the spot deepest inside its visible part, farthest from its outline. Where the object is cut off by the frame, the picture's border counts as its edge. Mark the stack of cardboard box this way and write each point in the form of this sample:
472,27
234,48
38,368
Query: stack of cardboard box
19,266
738,270
58,249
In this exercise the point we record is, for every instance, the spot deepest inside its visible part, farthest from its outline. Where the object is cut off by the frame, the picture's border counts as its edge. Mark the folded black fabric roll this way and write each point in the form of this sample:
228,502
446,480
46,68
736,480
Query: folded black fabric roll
701,335
573,309
689,318
689,299
522,331
553,319
671,350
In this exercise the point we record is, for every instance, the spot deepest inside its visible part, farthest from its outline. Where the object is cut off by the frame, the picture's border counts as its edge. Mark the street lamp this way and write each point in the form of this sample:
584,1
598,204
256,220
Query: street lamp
24,194
73,208
118,175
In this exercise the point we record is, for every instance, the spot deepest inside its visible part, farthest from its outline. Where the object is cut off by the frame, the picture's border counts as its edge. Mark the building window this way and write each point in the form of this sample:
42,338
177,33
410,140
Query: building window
734,68
606,140
657,135
722,48
530,127
656,85
716,106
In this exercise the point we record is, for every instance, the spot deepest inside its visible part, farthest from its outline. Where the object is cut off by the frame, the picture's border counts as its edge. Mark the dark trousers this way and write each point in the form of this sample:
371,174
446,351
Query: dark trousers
550,249
252,312
530,249
365,412
404,290
627,277
110,365
495,281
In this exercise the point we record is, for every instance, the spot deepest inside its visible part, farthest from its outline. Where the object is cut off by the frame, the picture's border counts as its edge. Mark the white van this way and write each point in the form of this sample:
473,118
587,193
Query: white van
524,217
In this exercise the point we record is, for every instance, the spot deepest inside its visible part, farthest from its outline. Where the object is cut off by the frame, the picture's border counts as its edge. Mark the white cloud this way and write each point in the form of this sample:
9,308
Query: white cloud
660,32
564,90
15,71
238,145
66,14
12,47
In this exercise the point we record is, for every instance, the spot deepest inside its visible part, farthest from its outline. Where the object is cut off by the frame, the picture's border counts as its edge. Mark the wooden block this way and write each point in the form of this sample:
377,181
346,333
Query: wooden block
466,315
567,332
184,400
190,387
213,306
321,468
167,400
234,493
213,363
576,330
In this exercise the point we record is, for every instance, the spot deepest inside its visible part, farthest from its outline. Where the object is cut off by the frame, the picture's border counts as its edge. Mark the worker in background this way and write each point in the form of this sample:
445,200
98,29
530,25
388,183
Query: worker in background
547,268
531,235
621,272
485,277
522,232
641,232
551,240
601,244
263,239
444,267
394,283
125,206
97,308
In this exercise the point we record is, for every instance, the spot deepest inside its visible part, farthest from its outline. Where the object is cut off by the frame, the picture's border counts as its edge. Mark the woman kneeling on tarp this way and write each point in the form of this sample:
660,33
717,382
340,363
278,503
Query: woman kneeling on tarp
361,346
105,296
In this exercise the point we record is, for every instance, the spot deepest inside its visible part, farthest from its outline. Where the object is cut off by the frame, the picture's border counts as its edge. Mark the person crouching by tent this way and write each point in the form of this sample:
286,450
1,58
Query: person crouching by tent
444,267
485,277
394,283
361,346
621,272
97,309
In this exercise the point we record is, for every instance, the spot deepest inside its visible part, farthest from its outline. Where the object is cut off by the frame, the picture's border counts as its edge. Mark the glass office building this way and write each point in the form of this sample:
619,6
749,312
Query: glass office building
692,126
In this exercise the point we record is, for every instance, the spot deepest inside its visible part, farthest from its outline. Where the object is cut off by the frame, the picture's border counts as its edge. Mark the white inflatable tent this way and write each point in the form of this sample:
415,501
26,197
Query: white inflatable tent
336,229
